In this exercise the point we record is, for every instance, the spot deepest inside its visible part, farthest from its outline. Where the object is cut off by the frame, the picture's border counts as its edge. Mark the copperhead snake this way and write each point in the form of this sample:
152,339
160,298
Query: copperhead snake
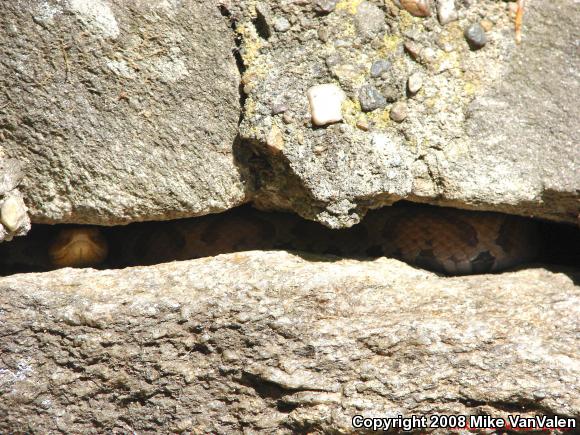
449,241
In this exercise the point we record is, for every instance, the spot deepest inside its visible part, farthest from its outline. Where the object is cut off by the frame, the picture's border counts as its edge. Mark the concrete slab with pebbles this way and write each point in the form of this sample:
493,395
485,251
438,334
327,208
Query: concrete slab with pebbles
122,112
450,151
154,137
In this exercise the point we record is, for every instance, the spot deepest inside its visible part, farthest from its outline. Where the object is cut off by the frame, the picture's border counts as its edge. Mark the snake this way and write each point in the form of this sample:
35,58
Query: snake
443,240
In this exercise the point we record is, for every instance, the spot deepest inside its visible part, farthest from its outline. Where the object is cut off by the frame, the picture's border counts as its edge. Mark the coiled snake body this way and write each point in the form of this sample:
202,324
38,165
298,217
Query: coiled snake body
449,241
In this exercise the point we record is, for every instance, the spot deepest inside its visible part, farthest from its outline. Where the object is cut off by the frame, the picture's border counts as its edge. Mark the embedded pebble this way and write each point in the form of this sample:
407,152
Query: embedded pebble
325,6
413,49
13,213
275,139
379,67
428,55
370,98
363,125
446,11
475,36
369,20
399,111
325,103
281,24
486,24
415,83
277,108
418,8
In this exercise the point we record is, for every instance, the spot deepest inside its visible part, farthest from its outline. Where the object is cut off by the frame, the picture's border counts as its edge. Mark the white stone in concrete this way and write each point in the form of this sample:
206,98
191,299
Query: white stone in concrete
325,103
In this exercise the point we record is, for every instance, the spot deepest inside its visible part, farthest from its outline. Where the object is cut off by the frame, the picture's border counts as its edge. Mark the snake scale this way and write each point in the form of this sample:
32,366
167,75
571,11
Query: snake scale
449,241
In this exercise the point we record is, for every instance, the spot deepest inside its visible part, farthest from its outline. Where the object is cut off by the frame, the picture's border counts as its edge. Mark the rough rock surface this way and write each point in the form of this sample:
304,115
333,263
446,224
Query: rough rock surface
448,148
121,111
532,161
273,342
14,220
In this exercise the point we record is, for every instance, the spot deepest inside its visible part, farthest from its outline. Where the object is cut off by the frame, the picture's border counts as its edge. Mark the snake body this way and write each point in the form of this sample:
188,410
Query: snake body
449,241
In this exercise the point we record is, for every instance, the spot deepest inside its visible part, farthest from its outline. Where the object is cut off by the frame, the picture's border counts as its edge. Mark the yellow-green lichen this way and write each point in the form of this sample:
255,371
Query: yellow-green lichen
380,118
452,34
252,43
348,30
249,107
390,45
470,88
349,6
447,61
406,21
351,111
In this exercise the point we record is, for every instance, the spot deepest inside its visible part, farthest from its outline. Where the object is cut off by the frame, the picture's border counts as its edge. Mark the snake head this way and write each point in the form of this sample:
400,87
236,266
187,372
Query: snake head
78,247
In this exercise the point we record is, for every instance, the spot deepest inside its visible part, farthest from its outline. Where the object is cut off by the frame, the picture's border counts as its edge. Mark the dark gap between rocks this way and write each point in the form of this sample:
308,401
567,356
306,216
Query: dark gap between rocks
233,24
245,228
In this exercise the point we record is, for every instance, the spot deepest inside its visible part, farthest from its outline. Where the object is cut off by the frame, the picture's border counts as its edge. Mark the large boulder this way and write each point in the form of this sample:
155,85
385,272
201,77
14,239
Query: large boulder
120,110
266,342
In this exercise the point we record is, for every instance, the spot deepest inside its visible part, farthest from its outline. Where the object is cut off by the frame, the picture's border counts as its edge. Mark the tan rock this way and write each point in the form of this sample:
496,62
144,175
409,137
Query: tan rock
285,341
13,213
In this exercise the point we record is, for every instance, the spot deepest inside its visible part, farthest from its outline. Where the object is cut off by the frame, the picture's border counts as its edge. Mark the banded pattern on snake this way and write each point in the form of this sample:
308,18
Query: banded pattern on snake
449,241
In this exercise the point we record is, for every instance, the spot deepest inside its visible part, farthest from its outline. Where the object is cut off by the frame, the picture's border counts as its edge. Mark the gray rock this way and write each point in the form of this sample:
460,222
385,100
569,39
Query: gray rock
399,111
415,83
446,11
370,20
379,67
475,36
281,24
325,6
11,174
121,111
532,159
268,342
370,98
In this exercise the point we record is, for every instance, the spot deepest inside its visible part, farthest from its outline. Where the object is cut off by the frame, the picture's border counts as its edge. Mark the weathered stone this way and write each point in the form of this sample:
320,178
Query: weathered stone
10,174
414,83
370,20
446,11
325,103
452,151
379,67
123,111
475,36
370,98
399,111
325,6
530,164
272,342
14,220
13,213
418,8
